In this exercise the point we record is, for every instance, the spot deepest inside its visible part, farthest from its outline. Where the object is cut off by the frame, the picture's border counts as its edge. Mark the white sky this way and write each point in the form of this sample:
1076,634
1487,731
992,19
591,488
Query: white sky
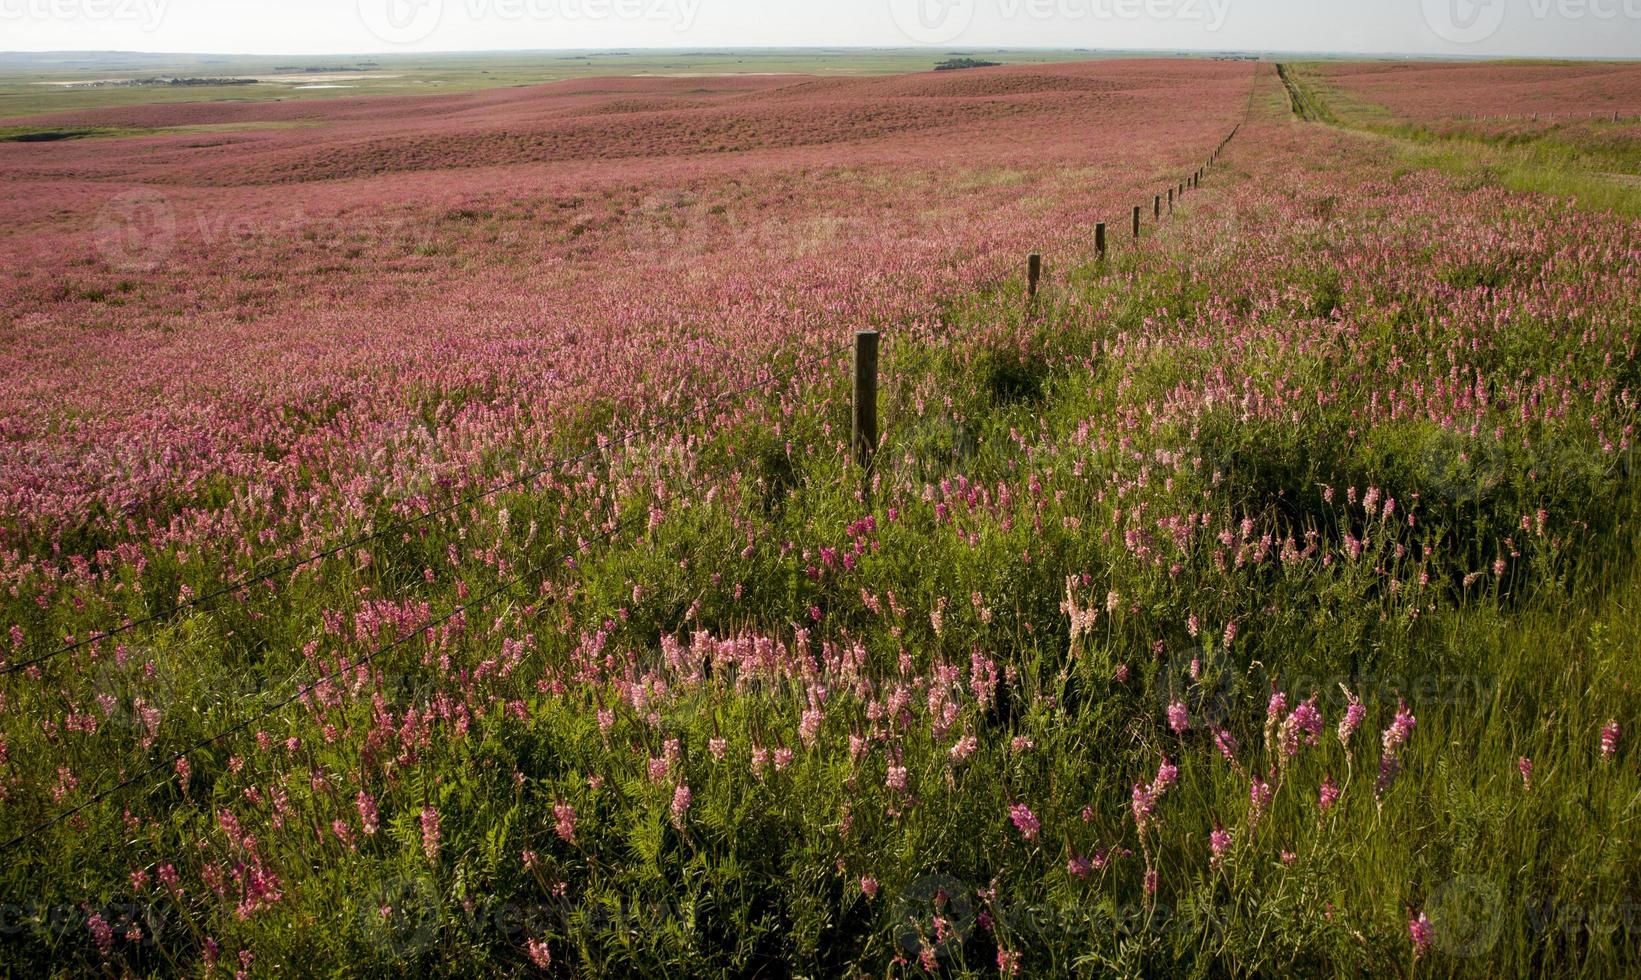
1569,28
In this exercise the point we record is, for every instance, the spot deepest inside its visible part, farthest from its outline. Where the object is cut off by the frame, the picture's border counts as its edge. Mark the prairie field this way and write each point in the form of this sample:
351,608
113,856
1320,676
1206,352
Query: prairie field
433,540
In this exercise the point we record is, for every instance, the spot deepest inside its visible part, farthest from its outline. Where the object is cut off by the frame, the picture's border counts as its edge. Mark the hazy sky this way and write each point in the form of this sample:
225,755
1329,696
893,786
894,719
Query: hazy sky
1575,28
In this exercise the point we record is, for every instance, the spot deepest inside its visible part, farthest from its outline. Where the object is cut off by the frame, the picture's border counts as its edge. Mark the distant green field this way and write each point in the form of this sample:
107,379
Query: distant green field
35,84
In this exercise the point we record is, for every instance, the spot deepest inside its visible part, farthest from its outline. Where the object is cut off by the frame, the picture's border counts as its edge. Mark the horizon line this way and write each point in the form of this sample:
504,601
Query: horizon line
931,50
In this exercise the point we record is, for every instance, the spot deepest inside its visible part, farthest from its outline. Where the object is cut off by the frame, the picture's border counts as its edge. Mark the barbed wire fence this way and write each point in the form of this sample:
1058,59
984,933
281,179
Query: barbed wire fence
864,443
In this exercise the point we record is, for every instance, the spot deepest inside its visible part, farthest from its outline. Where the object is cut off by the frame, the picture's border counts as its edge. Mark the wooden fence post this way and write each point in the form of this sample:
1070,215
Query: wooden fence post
1099,240
865,414
1156,206
1034,271
1136,224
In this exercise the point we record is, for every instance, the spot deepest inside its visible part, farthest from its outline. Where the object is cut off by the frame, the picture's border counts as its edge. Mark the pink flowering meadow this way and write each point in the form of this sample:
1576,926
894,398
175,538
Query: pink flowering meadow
1199,615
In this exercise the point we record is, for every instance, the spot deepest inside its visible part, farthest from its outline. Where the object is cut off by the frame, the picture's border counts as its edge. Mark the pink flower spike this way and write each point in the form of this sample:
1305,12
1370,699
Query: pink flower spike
1421,932
1219,842
430,833
1327,795
1025,821
681,799
1178,719
564,817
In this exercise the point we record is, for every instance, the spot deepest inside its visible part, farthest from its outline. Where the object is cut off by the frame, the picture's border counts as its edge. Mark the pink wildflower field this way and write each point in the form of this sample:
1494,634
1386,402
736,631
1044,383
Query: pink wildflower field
432,542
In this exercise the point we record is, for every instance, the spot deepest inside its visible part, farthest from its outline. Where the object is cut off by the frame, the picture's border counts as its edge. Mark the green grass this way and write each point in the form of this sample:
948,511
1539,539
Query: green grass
1602,175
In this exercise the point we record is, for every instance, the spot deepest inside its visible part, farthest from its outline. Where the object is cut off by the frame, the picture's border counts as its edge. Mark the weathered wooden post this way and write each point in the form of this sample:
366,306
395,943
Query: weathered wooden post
1156,206
1034,271
1136,224
865,413
1099,240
